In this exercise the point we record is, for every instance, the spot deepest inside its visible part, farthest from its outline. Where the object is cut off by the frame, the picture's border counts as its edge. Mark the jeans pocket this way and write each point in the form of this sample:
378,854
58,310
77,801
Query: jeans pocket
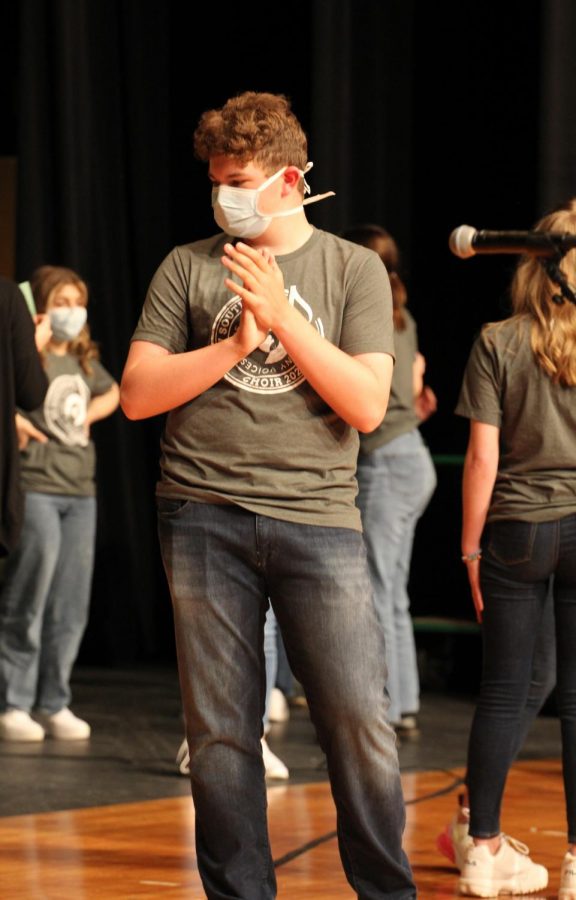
511,543
170,507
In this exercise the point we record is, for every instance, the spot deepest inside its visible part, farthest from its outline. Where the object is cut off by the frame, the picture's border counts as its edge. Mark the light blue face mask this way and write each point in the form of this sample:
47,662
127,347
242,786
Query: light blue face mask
67,322
236,209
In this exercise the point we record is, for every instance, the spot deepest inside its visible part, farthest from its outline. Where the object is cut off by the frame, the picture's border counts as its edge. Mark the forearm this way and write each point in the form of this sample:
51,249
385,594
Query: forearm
104,405
477,486
158,382
356,389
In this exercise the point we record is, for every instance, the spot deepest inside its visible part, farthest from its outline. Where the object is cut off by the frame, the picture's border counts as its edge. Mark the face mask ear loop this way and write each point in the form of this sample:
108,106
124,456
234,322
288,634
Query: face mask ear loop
307,190
272,178
307,167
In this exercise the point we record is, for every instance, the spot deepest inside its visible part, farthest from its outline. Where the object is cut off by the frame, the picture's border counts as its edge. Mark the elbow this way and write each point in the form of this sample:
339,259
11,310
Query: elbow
370,420
371,414
129,404
479,465
479,460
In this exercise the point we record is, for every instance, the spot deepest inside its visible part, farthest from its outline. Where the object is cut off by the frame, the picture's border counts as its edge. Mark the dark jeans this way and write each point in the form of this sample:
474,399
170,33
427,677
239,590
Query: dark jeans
222,564
519,561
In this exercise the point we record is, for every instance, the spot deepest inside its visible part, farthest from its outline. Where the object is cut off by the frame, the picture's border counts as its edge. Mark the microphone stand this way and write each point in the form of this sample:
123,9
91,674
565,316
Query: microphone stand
552,266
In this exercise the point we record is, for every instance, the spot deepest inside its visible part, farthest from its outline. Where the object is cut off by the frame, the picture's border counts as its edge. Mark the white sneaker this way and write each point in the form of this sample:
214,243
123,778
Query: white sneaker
18,725
64,725
279,709
183,758
509,871
568,878
274,767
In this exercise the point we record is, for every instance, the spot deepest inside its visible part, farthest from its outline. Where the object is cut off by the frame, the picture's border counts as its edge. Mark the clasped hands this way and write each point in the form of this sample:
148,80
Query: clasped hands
264,303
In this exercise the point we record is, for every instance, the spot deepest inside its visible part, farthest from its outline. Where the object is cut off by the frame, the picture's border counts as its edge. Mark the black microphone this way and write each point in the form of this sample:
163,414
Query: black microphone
465,241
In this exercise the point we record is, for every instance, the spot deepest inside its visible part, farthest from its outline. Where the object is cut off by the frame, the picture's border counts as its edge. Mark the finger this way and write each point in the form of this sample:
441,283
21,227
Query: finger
245,273
247,256
266,253
37,435
247,278
242,290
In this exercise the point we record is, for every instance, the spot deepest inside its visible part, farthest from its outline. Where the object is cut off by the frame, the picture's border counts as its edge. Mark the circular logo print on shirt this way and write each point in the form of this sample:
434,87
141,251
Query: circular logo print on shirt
269,369
65,409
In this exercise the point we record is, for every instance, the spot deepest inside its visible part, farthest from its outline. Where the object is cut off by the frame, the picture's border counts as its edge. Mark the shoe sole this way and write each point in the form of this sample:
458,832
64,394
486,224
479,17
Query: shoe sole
277,776
67,737
494,889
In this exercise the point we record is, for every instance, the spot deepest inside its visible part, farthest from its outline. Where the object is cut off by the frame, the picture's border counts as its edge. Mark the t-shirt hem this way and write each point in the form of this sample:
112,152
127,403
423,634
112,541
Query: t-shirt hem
350,520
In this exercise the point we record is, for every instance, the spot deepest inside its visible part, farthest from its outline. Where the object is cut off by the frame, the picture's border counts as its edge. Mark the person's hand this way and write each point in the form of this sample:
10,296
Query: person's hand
426,403
248,335
269,257
43,331
473,568
262,288
27,432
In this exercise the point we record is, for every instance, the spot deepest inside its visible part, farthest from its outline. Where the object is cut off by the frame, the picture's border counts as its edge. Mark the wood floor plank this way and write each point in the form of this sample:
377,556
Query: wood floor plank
146,850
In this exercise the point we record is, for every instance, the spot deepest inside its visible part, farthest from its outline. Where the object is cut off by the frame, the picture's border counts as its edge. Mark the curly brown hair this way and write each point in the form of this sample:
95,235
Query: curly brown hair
253,127
45,281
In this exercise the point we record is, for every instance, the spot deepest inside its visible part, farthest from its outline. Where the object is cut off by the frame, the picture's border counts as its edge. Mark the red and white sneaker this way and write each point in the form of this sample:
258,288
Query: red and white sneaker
454,841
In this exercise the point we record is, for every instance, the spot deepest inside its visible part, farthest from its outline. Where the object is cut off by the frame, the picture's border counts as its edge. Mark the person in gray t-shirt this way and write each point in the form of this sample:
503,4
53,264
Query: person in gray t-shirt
45,599
396,480
518,538
270,346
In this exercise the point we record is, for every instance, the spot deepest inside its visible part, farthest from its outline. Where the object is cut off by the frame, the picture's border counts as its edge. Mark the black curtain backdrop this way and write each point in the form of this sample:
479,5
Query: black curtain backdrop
420,116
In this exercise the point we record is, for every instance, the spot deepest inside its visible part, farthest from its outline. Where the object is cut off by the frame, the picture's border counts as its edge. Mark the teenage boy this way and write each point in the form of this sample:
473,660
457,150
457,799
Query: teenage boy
270,346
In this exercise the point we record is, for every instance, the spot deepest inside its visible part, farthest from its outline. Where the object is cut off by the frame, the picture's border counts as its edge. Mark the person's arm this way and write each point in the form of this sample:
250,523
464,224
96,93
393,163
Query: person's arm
418,369
29,375
103,405
480,469
357,388
155,380
42,330
27,432
425,402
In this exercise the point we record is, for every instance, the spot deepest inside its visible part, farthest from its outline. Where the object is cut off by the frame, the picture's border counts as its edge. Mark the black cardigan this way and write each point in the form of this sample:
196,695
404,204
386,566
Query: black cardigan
23,384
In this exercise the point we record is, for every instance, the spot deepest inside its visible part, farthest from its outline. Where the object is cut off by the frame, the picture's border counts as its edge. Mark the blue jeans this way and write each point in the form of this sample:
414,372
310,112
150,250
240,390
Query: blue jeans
45,600
284,677
271,658
396,482
222,564
519,560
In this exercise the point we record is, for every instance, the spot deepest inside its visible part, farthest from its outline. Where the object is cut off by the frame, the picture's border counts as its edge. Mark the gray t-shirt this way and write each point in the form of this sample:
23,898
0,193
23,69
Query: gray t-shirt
261,437
66,464
504,386
401,415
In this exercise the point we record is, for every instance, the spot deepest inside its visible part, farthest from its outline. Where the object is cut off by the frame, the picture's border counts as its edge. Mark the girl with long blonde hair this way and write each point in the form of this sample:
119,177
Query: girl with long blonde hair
518,543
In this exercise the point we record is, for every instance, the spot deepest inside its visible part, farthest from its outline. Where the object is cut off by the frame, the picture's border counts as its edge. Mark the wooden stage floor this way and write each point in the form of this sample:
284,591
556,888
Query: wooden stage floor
68,831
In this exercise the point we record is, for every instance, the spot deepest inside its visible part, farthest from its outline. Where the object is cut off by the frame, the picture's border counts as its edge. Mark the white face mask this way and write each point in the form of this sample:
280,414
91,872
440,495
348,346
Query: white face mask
67,322
236,209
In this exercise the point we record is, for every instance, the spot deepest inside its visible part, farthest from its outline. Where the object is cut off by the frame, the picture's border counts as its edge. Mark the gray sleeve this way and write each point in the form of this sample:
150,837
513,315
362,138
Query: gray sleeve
100,380
480,394
164,317
367,325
